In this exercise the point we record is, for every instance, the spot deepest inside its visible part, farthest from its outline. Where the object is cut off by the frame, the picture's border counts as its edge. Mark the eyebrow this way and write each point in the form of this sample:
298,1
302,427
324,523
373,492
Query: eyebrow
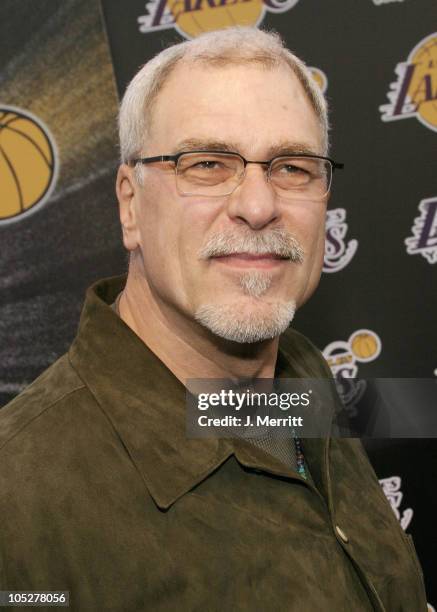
198,144
281,148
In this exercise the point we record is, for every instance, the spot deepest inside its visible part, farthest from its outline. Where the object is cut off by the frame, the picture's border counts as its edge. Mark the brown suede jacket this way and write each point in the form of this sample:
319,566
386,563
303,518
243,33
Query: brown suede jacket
103,495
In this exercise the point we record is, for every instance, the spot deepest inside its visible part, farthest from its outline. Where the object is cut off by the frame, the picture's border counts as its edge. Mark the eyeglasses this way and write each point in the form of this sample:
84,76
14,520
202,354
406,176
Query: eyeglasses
218,173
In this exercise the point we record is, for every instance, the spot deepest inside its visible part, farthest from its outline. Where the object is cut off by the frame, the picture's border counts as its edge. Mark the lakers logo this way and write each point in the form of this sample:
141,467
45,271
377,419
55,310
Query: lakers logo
414,94
193,17
424,230
392,489
363,346
337,253
342,357
28,163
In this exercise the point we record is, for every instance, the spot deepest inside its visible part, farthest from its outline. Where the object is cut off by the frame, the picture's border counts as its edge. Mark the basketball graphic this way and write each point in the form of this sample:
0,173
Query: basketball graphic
28,163
193,23
320,78
365,345
424,78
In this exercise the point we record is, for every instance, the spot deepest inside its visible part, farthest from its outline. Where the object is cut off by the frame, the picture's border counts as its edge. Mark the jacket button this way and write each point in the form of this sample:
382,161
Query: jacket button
342,534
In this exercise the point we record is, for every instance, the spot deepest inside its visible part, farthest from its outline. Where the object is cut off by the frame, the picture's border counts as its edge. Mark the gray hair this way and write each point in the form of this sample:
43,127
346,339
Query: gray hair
218,48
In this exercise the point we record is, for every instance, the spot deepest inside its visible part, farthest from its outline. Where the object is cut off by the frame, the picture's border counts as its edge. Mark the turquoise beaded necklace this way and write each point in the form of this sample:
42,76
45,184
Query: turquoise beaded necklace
300,460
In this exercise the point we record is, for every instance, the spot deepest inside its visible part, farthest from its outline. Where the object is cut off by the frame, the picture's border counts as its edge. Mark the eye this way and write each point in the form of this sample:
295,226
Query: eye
206,164
299,170
291,169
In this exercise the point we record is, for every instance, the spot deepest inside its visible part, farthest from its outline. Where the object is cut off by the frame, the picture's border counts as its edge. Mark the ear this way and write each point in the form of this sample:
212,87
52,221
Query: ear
127,190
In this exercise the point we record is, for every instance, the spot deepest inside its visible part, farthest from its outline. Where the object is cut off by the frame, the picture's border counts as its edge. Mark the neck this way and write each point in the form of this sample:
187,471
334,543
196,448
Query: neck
184,346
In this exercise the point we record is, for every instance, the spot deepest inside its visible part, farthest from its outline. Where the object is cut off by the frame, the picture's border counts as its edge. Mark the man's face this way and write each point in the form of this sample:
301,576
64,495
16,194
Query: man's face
258,113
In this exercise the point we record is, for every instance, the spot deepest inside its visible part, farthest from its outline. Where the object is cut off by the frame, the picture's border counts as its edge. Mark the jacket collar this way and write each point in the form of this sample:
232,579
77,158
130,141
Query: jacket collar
145,403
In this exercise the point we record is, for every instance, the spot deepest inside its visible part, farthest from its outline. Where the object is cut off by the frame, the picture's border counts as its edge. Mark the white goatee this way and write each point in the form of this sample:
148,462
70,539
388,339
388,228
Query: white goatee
226,321
262,320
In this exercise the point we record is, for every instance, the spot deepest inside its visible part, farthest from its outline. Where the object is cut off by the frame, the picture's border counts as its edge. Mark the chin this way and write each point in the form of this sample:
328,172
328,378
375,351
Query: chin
247,320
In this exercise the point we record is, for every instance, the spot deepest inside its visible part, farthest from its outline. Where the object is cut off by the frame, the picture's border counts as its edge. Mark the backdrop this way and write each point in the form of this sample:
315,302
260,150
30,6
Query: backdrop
63,65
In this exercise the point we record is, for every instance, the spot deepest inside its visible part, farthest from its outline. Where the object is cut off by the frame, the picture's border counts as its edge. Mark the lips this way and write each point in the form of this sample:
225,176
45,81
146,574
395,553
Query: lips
264,260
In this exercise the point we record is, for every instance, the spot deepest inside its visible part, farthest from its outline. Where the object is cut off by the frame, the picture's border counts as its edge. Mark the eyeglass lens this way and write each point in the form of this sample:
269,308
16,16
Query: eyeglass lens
218,174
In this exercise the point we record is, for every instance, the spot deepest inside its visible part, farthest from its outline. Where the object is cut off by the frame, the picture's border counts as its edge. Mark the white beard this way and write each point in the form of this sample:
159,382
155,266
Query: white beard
235,322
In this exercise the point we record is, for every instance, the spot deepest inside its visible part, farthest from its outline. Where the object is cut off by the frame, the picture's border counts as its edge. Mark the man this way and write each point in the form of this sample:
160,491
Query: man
104,495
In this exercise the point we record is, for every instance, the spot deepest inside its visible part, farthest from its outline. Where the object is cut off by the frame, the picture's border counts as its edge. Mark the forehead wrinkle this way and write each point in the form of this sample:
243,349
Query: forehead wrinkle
281,148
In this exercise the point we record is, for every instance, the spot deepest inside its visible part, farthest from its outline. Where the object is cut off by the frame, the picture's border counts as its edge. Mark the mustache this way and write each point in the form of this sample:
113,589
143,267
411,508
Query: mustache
275,241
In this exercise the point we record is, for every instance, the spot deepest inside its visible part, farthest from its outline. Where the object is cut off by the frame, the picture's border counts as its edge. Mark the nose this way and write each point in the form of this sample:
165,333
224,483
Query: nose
254,201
